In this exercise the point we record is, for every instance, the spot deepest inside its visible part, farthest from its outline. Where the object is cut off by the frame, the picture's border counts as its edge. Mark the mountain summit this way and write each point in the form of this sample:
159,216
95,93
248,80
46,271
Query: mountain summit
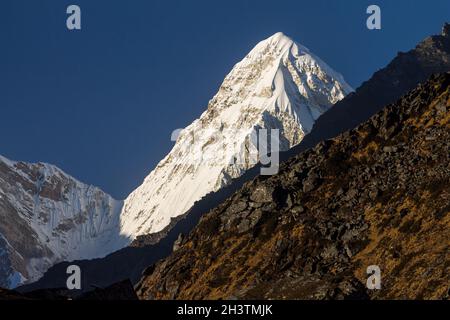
278,85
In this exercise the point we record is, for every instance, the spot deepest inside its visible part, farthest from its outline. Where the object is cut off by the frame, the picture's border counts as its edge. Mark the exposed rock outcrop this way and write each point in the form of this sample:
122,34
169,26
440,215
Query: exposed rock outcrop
376,195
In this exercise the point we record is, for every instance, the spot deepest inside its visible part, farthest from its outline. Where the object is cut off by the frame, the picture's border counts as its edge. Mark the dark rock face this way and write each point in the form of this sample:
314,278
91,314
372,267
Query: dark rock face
6,295
147,240
446,30
376,195
119,291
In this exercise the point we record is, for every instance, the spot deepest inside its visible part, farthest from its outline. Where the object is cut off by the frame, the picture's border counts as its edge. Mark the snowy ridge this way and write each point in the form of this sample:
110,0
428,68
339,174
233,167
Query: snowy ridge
48,216
278,85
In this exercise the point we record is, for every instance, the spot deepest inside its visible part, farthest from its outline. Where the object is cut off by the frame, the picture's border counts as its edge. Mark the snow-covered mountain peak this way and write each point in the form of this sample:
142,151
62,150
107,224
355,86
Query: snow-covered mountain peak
47,216
277,43
278,85
6,161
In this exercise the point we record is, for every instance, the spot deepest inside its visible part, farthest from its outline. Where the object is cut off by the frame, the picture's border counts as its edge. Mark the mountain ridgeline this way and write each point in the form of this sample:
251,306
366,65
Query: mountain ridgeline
47,216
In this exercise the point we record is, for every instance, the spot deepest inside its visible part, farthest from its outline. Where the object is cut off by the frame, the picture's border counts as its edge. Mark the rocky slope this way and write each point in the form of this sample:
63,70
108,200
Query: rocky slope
46,216
376,195
402,74
278,85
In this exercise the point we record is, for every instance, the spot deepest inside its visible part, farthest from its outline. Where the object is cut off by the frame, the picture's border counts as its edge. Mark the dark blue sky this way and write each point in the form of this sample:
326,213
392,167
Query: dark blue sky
101,102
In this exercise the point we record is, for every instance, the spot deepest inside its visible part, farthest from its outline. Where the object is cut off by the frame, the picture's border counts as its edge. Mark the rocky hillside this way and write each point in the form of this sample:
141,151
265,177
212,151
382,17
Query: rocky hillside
376,195
402,74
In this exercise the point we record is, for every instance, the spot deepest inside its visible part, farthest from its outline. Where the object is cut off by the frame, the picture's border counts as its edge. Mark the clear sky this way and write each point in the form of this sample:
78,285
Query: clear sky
101,103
